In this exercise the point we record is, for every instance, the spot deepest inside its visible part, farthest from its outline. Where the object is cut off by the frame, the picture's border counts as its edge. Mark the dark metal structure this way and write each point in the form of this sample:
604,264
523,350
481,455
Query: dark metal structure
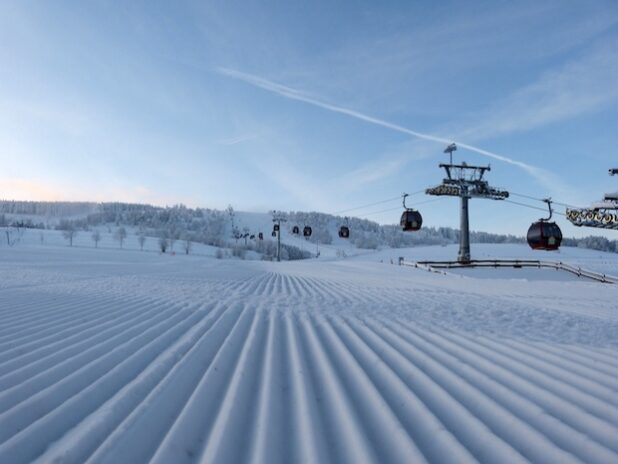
411,220
344,230
278,219
543,234
465,182
603,214
307,231
295,230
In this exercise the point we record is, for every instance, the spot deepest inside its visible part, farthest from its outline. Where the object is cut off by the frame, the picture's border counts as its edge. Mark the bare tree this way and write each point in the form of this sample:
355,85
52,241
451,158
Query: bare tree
230,211
69,233
96,238
172,240
187,244
120,235
163,244
141,238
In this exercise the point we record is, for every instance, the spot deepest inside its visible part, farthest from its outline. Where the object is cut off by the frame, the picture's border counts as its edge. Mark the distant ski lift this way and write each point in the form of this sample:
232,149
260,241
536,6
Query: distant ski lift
344,230
274,234
252,237
295,230
307,231
276,228
261,236
543,234
411,219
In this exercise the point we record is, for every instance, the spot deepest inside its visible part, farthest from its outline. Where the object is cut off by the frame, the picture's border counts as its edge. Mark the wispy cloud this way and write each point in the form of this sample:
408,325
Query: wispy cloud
582,86
240,139
372,172
294,94
393,161
402,63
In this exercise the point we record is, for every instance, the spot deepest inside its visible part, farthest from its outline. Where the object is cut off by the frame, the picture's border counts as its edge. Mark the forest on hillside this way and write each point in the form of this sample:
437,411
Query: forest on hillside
223,227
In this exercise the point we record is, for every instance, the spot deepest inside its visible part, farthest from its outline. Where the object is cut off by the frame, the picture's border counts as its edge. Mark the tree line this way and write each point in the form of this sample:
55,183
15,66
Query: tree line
180,224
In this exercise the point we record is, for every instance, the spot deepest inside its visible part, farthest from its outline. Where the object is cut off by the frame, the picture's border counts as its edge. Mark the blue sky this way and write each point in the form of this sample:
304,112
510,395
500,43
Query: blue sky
308,105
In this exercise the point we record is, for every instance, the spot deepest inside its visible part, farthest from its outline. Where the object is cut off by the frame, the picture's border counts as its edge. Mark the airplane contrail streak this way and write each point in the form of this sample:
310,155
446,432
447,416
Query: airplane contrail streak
294,94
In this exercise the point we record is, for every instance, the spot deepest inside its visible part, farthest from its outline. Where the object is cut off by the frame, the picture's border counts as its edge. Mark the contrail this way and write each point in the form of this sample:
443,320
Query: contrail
294,94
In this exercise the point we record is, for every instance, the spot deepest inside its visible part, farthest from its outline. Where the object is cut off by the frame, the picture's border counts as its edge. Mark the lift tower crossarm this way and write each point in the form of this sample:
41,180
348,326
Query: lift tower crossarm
458,171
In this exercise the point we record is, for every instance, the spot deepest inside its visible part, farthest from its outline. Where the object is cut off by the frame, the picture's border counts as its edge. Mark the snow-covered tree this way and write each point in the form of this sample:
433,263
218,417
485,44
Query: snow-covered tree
120,235
141,239
69,233
187,243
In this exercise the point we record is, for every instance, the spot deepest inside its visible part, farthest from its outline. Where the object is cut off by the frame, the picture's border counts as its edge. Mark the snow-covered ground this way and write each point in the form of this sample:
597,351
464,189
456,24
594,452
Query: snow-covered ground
123,356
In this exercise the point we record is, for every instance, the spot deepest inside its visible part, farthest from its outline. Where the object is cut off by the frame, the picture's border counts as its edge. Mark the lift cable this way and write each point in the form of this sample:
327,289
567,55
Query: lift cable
399,207
532,207
398,197
378,212
541,199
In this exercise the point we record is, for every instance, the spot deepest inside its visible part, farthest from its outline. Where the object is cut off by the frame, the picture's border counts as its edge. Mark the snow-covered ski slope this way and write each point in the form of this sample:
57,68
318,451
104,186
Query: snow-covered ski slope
121,356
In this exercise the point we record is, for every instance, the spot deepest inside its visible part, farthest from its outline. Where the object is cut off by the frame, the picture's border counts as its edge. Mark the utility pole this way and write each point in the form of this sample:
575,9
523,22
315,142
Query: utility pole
465,182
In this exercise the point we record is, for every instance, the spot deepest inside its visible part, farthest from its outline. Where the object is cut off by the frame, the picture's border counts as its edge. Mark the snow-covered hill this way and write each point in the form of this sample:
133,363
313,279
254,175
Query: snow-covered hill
111,355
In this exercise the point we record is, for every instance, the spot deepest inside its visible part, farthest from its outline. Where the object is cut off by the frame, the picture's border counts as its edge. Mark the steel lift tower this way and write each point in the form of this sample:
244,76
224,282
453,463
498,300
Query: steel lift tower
278,218
465,182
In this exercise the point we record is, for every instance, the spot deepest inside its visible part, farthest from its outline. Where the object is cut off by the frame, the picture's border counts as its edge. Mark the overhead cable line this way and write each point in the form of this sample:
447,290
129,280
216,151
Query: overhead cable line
541,199
398,197
378,212
532,207
393,209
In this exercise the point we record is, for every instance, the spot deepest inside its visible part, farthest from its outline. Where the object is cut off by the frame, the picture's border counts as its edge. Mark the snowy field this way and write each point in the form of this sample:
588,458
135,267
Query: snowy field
122,356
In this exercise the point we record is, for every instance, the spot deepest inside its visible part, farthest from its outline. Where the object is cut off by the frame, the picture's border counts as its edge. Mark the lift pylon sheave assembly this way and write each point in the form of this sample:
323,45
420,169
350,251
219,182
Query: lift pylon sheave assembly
465,181
603,214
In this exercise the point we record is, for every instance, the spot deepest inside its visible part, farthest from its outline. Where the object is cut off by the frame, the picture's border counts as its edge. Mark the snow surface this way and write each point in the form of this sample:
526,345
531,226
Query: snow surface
122,356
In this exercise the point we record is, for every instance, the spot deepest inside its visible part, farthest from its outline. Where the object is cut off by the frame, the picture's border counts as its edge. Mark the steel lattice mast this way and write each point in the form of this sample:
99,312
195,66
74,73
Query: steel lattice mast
465,181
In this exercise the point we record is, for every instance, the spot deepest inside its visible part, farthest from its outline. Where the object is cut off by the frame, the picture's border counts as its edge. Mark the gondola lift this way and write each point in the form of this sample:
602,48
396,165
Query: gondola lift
261,236
295,230
307,231
344,230
543,234
411,219
274,234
